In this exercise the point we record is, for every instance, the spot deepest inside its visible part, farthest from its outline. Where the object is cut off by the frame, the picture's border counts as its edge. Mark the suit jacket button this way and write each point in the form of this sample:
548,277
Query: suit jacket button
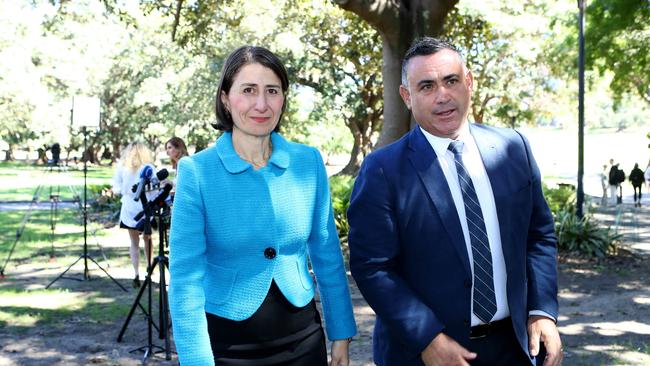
269,253
467,283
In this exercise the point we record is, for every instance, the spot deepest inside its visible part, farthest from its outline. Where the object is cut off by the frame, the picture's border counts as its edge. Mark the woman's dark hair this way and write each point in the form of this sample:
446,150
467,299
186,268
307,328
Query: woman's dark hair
239,58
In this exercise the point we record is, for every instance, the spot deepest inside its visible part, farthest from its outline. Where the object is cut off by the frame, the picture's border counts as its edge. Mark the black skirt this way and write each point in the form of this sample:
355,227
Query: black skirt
278,333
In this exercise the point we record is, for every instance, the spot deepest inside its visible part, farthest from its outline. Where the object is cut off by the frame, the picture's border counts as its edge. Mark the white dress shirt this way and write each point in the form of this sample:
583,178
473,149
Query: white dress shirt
476,170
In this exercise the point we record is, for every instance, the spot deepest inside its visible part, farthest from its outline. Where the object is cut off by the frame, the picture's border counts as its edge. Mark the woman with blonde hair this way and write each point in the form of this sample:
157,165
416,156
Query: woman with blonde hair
134,158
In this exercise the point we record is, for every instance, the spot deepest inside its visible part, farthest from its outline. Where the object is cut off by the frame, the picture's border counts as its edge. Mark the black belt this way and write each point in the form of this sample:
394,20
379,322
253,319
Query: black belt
484,330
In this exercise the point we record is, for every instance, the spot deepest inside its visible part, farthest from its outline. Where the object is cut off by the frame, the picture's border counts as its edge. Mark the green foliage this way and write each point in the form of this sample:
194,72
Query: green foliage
339,58
341,189
584,236
562,199
581,236
618,35
103,203
617,45
509,71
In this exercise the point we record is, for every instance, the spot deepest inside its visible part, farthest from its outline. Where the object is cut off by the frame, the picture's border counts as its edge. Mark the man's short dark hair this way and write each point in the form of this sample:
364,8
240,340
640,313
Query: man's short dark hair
236,60
422,47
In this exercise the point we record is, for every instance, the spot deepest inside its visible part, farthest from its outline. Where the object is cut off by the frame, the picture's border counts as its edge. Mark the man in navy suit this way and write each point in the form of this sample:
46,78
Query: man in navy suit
451,240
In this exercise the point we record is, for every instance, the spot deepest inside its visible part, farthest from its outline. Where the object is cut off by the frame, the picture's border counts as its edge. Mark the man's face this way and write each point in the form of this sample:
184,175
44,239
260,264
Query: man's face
438,93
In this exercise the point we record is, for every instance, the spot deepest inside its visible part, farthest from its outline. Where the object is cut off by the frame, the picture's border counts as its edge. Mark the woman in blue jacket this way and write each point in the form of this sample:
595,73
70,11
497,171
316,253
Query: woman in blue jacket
249,213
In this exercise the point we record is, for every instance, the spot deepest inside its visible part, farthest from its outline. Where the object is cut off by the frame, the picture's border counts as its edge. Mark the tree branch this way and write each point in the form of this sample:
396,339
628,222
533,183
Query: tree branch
380,14
177,18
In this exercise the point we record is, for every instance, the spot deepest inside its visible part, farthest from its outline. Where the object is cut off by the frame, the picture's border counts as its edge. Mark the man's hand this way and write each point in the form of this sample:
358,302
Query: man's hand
340,353
443,350
544,329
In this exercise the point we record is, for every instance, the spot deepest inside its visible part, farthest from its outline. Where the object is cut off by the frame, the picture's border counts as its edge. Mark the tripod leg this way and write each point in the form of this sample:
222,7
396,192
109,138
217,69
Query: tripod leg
101,250
135,304
109,276
147,282
64,272
20,231
164,310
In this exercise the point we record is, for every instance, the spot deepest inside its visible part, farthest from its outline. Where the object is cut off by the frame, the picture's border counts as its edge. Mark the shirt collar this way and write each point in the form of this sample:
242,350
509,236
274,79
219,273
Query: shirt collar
234,164
440,144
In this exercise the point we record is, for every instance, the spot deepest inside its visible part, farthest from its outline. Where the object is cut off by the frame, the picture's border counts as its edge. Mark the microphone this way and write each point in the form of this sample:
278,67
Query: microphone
161,175
158,201
145,175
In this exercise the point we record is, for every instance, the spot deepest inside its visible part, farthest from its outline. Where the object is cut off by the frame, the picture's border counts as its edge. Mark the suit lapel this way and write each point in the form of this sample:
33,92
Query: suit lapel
423,158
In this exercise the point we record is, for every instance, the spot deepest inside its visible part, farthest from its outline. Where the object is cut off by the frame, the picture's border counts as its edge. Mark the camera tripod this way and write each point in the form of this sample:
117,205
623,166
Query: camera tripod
55,199
162,213
85,256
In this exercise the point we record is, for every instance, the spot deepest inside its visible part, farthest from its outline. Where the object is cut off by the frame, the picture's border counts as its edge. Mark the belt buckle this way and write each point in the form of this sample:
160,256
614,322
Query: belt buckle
479,331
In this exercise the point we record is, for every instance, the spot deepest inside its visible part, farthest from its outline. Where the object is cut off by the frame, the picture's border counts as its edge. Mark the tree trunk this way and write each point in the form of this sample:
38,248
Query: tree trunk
397,118
9,156
399,23
117,151
356,155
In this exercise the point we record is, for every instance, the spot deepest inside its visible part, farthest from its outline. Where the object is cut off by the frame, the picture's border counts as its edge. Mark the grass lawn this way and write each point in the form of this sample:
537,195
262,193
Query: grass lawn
30,235
21,182
30,232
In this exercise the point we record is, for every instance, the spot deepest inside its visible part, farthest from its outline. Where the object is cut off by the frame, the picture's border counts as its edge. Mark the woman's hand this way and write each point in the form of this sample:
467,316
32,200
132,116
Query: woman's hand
340,353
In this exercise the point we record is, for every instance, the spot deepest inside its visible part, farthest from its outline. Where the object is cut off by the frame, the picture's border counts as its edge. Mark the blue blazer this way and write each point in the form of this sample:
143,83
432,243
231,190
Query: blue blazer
226,215
407,250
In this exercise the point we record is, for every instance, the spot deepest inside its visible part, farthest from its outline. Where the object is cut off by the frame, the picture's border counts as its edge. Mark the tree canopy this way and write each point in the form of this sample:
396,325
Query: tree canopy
617,43
155,65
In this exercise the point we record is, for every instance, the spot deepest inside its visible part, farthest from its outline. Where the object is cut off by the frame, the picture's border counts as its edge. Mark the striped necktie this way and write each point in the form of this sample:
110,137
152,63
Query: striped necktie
484,303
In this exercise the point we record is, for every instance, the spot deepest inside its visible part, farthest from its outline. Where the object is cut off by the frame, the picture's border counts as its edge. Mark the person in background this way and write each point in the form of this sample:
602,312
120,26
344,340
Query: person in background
134,158
451,240
249,214
637,179
176,149
647,177
604,182
613,180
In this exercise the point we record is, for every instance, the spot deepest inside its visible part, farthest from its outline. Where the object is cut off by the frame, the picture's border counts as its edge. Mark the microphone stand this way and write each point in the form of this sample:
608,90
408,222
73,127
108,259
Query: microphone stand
159,210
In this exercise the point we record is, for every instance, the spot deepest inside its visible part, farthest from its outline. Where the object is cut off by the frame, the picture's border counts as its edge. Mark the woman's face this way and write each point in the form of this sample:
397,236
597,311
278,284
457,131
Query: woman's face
255,100
172,151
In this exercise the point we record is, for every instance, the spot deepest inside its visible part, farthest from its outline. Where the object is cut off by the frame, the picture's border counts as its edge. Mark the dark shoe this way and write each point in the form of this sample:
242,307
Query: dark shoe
136,282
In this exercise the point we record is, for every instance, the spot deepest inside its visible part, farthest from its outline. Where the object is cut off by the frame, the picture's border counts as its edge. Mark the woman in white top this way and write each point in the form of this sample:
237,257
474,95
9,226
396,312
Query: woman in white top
133,160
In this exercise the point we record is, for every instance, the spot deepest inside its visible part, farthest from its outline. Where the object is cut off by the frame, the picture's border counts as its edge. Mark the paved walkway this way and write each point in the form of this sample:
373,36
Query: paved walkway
40,205
632,222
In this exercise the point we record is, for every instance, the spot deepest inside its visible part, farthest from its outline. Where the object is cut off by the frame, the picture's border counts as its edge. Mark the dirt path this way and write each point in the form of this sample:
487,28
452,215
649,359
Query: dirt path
605,309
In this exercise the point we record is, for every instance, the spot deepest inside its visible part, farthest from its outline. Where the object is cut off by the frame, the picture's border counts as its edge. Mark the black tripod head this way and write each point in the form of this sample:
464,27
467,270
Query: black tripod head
151,209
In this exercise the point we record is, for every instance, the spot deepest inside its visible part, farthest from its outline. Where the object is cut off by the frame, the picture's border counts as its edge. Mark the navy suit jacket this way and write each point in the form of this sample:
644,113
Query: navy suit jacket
407,249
